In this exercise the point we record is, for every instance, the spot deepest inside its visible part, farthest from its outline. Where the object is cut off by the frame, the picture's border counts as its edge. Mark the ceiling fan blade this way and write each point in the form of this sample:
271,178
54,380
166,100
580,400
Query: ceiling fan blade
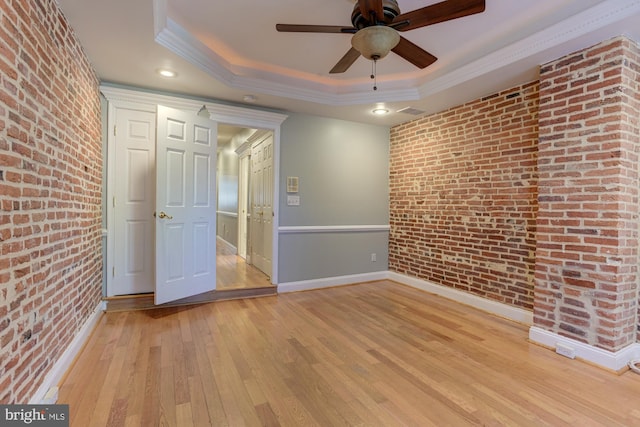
294,28
414,54
345,62
371,6
439,12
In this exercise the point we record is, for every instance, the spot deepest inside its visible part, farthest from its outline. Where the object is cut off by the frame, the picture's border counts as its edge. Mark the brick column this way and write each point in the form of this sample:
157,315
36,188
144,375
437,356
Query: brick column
586,275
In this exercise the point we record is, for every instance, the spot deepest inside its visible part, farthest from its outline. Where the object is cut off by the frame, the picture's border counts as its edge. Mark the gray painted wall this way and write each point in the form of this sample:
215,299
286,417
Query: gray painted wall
343,171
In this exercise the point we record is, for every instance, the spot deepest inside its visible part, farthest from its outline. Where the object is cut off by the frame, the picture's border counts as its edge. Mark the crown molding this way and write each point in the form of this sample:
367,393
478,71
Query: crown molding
219,112
178,40
591,21
340,93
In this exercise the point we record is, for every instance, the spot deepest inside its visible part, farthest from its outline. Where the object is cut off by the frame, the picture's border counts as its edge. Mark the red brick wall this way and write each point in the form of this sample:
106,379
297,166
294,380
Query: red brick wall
50,184
587,250
463,191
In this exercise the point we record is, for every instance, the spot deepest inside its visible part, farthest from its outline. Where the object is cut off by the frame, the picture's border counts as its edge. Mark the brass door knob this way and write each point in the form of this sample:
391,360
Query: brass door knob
163,215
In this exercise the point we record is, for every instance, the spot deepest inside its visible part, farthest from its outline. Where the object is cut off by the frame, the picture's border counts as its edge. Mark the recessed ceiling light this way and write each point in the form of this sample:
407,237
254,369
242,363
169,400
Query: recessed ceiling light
167,73
380,111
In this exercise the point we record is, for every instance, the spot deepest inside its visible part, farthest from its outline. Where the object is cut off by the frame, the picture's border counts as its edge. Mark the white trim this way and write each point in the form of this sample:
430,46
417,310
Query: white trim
299,229
616,361
596,22
222,113
328,282
176,38
497,308
229,245
61,366
110,182
244,149
591,21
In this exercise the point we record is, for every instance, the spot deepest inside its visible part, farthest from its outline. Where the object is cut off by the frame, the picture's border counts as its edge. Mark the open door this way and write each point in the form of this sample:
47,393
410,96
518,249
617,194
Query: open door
185,205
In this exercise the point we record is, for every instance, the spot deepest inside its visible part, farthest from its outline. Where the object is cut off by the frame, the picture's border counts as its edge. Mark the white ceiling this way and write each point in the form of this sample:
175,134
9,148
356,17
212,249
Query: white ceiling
228,49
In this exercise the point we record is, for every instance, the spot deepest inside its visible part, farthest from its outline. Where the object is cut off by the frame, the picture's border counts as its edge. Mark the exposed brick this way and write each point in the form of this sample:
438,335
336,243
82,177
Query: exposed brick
463,196
479,189
45,133
596,171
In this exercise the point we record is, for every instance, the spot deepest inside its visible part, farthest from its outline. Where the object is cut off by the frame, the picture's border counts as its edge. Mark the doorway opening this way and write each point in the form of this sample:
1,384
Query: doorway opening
138,180
245,207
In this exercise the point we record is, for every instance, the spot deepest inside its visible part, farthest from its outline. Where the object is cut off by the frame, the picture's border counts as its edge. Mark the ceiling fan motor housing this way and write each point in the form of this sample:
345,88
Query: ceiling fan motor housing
390,9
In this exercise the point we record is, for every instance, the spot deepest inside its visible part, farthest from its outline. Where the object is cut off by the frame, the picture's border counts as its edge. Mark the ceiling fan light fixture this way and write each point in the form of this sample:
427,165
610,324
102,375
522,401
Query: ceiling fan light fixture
375,42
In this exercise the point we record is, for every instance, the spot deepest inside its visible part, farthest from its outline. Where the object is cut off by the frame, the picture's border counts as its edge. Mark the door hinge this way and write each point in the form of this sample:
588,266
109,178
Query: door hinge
114,201
115,130
113,272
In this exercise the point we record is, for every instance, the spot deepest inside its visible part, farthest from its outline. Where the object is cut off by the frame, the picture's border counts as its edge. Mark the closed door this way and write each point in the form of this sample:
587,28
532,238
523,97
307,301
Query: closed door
262,204
185,205
133,269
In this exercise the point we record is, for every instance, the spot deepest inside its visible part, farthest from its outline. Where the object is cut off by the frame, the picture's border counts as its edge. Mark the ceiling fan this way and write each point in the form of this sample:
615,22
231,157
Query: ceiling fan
376,24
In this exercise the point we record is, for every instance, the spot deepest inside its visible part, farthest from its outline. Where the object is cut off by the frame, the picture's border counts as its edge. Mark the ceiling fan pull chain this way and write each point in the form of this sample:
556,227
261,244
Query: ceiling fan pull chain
374,67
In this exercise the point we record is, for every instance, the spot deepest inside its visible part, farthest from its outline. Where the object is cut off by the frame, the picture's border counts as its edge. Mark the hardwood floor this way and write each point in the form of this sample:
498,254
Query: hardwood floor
234,279
233,272
374,354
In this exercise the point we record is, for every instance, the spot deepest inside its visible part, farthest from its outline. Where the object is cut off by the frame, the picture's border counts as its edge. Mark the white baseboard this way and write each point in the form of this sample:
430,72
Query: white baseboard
61,366
229,245
617,361
493,307
497,308
327,282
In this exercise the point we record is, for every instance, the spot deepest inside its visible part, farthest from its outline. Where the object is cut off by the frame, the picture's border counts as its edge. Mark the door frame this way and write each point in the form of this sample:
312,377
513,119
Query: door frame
131,98
244,160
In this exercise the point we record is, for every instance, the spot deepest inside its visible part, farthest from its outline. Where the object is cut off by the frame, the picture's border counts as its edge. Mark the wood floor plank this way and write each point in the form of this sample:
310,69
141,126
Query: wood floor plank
184,417
199,408
373,354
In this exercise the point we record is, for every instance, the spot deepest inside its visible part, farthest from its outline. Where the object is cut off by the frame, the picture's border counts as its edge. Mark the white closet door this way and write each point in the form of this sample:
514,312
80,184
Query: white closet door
262,204
133,203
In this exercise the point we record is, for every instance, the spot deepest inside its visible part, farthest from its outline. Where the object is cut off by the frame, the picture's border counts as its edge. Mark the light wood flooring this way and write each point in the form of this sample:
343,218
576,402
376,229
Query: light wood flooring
234,279
233,272
373,354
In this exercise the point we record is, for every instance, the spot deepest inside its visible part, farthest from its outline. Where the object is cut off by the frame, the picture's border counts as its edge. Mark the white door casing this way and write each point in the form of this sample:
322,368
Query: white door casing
185,205
243,203
134,202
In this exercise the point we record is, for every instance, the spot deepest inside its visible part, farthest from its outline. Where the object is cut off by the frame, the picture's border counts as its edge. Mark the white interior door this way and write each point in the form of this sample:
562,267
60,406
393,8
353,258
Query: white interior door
262,204
133,203
185,205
